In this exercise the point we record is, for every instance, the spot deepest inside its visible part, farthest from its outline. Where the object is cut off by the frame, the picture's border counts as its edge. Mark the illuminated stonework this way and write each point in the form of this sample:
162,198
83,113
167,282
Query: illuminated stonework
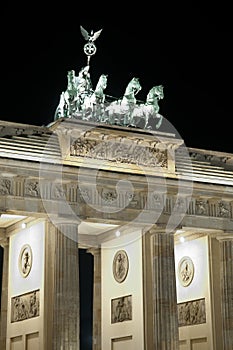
185,271
25,260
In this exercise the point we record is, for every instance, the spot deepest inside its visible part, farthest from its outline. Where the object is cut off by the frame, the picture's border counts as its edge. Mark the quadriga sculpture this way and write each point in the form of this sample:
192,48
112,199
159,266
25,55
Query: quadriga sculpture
118,112
94,104
142,113
80,101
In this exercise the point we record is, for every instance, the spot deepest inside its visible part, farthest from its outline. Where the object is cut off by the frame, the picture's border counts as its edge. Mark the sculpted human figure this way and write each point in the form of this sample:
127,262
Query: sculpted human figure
71,94
68,103
26,263
72,100
81,101
97,99
83,83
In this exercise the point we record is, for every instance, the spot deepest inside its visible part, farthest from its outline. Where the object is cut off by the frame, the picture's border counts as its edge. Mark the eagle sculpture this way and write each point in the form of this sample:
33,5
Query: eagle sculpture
90,37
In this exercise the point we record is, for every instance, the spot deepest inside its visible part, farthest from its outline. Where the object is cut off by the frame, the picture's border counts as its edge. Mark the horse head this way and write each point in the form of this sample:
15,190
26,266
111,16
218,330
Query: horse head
135,85
155,94
102,83
158,91
131,90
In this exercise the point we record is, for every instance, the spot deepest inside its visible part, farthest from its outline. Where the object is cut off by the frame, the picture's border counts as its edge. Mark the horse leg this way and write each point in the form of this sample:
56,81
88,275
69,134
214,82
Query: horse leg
160,120
146,123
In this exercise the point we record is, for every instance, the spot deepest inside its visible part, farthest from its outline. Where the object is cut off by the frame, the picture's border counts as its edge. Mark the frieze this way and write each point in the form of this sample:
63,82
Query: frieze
58,191
74,192
216,159
5,186
180,205
224,210
32,188
121,309
119,152
109,196
14,130
198,156
133,199
201,207
192,312
157,201
84,195
25,306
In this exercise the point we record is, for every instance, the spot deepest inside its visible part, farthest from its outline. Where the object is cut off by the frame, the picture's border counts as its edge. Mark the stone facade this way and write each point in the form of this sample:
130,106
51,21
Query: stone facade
88,183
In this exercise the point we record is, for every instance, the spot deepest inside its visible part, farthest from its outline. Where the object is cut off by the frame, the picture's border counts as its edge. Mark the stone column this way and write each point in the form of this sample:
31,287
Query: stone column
63,288
96,336
226,273
4,295
165,318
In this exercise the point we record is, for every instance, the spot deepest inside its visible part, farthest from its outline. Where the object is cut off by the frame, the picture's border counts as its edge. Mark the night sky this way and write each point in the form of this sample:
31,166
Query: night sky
186,47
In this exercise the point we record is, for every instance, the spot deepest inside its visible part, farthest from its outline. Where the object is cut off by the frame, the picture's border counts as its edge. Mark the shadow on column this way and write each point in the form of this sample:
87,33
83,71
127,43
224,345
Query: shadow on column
86,299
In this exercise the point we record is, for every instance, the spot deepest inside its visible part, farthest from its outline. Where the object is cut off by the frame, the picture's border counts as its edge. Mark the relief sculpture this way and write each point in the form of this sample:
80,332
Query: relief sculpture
121,309
25,306
191,312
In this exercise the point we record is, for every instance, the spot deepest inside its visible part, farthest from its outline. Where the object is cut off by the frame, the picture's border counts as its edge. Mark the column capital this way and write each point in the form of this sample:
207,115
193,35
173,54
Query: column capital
4,242
94,251
225,236
68,229
158,229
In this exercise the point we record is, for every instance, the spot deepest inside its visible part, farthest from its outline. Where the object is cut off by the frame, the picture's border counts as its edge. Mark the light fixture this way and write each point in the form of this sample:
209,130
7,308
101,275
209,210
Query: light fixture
24,225
117,233
11,216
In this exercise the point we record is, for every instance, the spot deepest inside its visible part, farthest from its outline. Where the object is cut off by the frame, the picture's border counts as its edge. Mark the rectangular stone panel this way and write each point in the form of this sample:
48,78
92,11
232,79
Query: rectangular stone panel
192,312
122,343
25,306
32,341
183,345
199,344
16,343
121,309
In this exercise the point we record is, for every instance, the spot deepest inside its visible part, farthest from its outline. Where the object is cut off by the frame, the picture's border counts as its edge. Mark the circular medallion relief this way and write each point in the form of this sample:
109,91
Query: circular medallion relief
25,260
120,266
185,271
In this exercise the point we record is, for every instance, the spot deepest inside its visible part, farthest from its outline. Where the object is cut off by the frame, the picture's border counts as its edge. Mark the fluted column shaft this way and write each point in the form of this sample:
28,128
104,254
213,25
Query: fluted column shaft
165,320
66,289
4,295
96,344
226,271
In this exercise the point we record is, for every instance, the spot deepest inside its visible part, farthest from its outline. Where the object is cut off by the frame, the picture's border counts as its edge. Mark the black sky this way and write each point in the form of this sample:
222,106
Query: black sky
186,47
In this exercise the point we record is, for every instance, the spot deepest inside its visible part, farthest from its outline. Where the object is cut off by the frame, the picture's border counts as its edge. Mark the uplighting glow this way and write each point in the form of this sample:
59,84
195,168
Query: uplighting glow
181,239
11,216
117,233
